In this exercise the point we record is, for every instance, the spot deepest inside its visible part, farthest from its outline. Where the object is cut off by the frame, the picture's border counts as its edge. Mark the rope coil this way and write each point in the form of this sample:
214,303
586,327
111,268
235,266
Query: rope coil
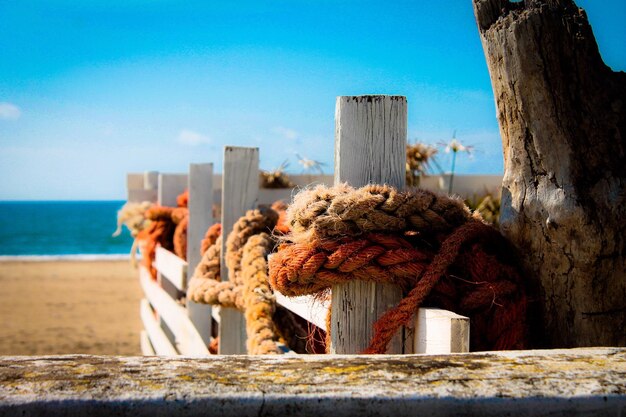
167,228
247,246
426,243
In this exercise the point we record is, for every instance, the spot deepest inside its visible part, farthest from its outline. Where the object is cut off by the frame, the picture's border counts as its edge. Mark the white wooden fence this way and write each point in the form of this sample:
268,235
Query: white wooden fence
554,382
371,135
170,328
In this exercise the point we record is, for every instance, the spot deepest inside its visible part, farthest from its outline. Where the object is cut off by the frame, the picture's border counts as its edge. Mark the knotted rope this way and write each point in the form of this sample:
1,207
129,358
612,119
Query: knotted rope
180,217
182,200
167,228
428,244
247,246
160,232
210,237
206,285
133,216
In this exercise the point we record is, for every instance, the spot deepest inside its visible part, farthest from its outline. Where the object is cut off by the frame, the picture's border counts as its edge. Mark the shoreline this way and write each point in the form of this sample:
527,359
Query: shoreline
68,257
52,306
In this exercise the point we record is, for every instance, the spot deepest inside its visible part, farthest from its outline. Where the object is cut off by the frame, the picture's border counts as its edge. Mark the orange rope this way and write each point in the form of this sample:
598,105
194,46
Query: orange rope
435,251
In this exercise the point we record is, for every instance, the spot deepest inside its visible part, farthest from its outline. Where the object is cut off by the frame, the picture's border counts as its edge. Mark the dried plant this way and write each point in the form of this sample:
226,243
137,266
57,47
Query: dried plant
418,158
487,205
276,178
309,165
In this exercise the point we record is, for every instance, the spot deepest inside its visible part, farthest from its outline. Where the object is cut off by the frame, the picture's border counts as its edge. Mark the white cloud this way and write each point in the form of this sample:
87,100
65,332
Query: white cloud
285,132
191,138
9,111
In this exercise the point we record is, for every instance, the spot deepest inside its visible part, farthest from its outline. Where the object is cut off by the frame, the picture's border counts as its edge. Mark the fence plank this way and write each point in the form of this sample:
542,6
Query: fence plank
142,187
216,313
171,267
141,195
574,382
437,331
307,307
200,218
440,331
188,341
240,189
170,186
146,345
151,180
134,181
370,142
158,340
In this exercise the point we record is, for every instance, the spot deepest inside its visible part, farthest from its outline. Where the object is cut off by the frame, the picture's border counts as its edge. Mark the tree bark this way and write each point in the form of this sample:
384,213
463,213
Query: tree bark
562,120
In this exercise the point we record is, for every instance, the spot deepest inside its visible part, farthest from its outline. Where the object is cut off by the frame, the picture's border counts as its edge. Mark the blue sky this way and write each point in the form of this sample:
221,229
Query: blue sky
91,90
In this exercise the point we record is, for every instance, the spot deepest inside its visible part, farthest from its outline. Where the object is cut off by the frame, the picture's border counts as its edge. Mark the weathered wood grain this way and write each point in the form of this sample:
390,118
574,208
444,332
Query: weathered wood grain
187,339
563,125
240,189
157,340
370,147
171,267
581,382
200,187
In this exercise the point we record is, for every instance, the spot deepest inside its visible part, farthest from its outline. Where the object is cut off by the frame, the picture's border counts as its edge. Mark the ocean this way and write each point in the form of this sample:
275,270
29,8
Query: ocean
62,229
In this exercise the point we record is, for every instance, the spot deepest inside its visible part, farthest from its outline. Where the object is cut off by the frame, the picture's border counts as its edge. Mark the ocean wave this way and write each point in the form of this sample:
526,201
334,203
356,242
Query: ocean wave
78,257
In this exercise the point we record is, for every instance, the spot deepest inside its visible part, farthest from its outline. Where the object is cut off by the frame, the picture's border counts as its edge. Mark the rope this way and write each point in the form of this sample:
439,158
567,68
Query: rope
258,300
210,237
180,217
333,212
168,228
428,244
133,216
206,285
182,200
160,232
268,326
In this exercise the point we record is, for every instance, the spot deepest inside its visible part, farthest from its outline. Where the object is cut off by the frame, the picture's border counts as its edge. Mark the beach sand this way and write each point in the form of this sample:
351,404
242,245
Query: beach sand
58,307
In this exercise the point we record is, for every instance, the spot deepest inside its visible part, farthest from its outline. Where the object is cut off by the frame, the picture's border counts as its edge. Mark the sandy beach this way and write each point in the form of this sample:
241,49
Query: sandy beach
58,307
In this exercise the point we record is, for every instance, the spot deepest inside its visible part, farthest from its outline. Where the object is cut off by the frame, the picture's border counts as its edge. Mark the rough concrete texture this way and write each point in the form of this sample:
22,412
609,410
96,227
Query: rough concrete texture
557,382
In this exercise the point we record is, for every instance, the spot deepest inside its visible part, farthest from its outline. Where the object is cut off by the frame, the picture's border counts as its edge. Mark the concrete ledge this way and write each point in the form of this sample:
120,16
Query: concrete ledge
557,382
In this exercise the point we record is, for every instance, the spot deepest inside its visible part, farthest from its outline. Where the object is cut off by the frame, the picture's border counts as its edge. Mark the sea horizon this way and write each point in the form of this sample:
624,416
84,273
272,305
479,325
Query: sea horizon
73,257
62,229
115,200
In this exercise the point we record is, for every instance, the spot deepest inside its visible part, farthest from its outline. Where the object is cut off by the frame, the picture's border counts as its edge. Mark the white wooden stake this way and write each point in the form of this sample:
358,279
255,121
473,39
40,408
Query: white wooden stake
200,187
150,180
170,186
370,147
441,331
240,189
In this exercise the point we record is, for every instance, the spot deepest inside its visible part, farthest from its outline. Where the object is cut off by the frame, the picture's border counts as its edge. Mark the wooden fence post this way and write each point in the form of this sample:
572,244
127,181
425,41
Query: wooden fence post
370,142
170,186
200,218
150,180
240,189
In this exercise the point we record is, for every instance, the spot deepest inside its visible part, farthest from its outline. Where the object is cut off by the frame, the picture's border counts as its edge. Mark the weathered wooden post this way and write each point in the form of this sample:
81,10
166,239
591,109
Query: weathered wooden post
240,189
562,116
370,143
169,187
200,218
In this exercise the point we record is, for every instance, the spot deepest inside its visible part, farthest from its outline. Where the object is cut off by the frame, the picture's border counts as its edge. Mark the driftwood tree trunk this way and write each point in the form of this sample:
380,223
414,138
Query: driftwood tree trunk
562,115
